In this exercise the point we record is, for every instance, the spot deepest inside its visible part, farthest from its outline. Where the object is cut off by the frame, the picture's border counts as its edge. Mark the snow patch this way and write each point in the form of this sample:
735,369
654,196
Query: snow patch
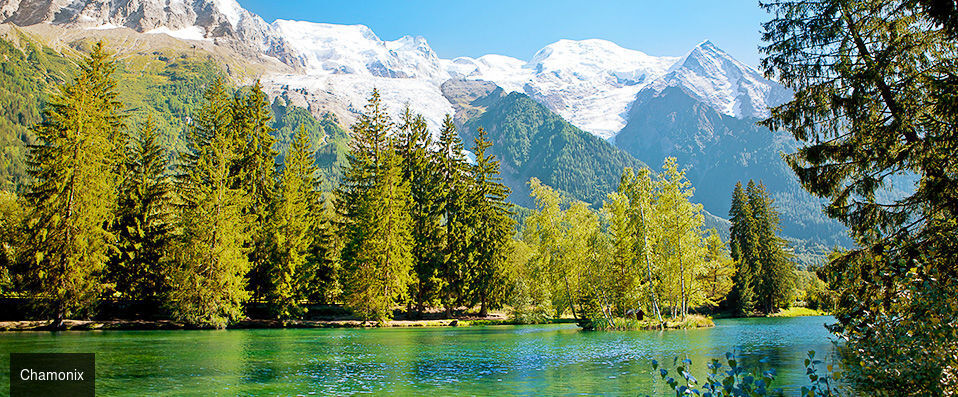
191,33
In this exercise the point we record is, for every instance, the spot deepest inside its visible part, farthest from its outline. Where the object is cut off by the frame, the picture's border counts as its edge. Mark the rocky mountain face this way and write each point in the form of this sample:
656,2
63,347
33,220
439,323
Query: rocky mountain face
223,22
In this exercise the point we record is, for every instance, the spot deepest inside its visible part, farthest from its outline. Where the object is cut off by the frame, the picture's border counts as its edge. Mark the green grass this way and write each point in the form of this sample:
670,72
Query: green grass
799,312
626,324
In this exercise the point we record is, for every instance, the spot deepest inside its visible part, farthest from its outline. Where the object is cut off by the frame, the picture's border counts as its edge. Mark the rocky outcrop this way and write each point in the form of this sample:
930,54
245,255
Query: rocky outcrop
223,22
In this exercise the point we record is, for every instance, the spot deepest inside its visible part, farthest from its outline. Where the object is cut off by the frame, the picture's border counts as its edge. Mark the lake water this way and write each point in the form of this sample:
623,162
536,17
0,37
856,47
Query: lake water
495,360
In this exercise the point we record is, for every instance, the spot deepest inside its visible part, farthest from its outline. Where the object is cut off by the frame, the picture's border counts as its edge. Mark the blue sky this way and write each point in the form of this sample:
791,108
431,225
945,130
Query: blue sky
519,28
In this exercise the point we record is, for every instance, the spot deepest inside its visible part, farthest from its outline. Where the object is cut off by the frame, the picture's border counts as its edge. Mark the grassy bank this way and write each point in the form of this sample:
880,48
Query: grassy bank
799,312
626,324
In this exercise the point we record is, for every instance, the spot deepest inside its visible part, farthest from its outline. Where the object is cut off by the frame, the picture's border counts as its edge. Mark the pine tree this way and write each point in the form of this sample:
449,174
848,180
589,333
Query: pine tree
420,171
457,236
293,217
143,218
493,225
742,240
875,99
254,171
775,280
75,174
211,261
374,200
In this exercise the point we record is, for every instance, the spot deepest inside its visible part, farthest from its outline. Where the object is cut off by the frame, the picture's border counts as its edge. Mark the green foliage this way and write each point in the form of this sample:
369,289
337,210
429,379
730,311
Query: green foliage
12,239
211,261
875,94
293,216
374,200
253,172
740,381
492,225
143,219
73,193
765,276
453,171
421,171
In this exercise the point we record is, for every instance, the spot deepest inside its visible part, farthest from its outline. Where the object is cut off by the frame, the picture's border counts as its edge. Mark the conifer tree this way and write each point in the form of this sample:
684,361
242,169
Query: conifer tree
211,261
742,240
143,218
73,195
454,188
374,201
775,280
293,217
254,171
420,171
875,99
493,225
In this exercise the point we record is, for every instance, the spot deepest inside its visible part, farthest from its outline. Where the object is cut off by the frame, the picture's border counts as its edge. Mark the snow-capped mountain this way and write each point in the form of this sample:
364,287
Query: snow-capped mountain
730,87
224,22
591,83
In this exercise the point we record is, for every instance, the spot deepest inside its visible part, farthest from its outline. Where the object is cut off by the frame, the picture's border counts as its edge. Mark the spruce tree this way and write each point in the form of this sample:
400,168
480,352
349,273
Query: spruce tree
211,259
75,172
293,217
374,202
875,99
420,171
742,241
254,172
143,218
493,225
454,187
775,280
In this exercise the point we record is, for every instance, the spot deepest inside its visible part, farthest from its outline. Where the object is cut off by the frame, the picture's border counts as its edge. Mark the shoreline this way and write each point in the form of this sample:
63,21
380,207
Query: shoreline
169,325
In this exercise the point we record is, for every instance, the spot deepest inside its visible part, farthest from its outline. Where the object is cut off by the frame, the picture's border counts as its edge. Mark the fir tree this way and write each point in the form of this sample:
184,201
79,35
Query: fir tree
742,241
454,187
143,218
73,195
211,261
875,99
292,219
420,171
775,280
493,225
374,200
254,171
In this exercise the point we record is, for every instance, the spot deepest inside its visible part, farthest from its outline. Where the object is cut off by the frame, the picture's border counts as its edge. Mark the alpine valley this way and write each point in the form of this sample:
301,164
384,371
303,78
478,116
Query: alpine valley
573,115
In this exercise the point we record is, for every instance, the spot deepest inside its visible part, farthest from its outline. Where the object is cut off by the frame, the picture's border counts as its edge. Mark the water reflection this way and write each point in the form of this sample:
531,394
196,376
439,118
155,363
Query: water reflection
530,360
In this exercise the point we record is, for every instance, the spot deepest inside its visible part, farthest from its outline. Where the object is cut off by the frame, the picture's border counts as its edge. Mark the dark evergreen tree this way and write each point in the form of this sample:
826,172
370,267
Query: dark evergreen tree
493,227
73,195
420,170
293,216
876,98
143,219
374,202
775,277
453,176
254,171
211,259
742,240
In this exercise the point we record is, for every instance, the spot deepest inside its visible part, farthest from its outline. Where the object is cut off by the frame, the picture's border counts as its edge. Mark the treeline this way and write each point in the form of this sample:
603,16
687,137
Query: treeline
104,217
409,220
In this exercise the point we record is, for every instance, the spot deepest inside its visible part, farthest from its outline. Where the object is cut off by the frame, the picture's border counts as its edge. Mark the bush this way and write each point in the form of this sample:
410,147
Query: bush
740,381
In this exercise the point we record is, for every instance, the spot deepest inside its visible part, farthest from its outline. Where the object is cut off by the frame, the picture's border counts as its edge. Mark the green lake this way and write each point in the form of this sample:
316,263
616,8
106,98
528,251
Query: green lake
494,360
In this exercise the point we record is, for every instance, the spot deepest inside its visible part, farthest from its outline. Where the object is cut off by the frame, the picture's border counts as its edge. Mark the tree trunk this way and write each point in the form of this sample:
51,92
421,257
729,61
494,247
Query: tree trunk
648,263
